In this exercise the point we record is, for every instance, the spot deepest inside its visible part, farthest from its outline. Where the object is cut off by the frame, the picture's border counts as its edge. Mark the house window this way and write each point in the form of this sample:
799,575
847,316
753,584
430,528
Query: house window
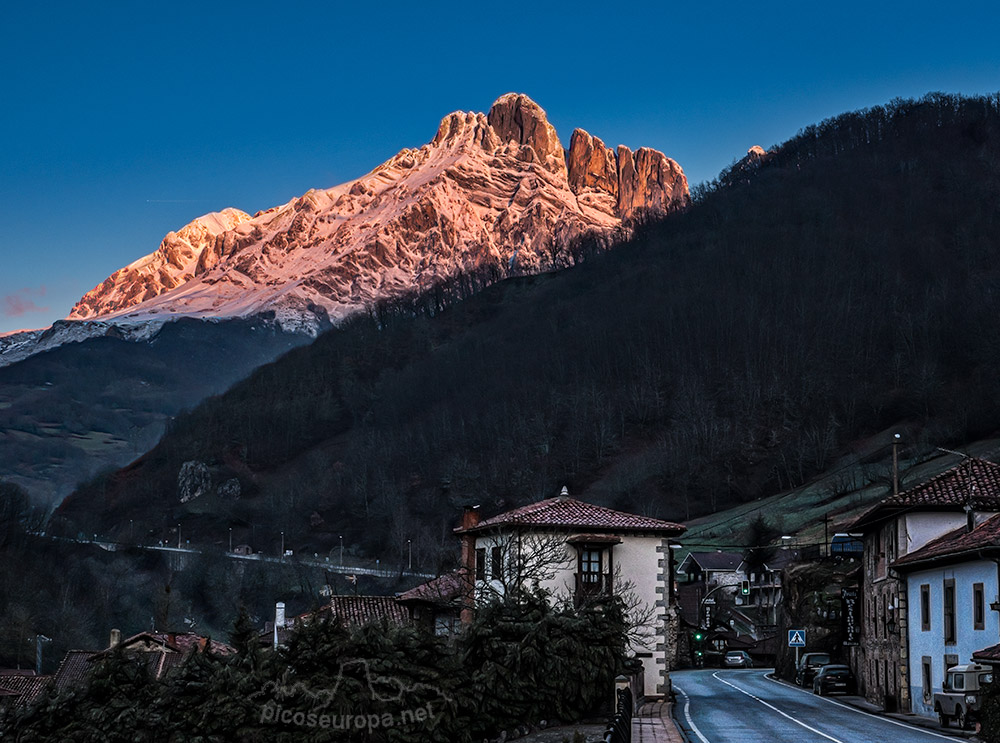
949,611
481,564
925,608
925,677
496,563
978,607
590,566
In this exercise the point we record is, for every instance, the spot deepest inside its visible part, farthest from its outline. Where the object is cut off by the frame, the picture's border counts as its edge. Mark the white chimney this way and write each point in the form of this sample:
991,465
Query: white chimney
279,614
116,638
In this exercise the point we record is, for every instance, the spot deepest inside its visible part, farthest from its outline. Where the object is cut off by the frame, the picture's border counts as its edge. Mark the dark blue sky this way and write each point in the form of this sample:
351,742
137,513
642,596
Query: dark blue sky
122,121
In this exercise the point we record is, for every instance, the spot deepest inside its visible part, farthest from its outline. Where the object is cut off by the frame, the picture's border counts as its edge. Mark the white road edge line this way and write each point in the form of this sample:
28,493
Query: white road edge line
687,715
870,714
771,706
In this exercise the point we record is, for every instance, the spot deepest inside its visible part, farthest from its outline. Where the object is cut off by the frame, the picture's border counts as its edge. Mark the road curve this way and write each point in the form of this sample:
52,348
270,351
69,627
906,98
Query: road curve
737,706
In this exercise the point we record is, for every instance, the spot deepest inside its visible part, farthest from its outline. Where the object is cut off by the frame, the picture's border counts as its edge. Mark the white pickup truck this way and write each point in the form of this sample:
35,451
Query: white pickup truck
961,694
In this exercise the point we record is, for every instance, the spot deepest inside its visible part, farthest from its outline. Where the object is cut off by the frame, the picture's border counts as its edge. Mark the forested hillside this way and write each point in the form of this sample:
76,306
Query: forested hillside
843,283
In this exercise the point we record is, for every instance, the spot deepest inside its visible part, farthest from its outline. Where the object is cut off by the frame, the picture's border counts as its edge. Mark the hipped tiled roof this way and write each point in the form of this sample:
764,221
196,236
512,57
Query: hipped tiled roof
568,513
973,481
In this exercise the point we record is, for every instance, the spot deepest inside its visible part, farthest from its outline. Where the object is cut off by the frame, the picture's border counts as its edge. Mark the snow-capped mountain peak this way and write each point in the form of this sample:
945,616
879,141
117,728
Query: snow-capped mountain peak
492,190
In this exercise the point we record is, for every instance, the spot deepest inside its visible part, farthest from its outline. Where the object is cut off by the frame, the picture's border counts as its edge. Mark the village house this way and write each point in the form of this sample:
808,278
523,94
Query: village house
580,552
898,526
952,594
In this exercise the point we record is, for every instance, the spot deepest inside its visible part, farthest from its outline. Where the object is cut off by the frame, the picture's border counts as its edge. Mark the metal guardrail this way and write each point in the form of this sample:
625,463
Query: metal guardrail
619,728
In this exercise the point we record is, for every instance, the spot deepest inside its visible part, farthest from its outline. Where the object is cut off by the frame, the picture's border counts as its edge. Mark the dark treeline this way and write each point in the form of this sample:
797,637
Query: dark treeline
517,664
74,594
846,284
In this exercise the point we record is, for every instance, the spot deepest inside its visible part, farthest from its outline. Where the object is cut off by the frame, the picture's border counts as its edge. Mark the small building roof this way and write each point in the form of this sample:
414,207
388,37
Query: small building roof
358,610
955,546
718,560
446,589
989,655
973,481
564,513
74,668
171,642
27,688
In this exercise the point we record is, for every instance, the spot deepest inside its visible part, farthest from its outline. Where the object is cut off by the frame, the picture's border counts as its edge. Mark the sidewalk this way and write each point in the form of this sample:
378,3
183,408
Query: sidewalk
652,723
918,721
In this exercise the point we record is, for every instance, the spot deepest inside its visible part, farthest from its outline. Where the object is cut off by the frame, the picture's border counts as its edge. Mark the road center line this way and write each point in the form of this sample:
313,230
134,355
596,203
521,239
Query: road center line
870,714
772,707
687,715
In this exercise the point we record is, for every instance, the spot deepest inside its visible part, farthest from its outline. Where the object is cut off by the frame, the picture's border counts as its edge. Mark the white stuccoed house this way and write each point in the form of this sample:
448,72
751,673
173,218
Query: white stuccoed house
579,551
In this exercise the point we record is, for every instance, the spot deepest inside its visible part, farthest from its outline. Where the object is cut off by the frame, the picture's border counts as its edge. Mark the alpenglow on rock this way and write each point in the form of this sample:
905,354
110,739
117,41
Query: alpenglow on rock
490,190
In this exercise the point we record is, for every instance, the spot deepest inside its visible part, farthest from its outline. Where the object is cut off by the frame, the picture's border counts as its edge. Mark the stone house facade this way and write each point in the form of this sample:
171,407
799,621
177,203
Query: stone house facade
892,529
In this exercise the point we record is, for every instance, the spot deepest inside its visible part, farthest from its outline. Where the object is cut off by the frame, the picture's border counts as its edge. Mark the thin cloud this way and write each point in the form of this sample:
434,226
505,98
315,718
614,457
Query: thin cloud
22,302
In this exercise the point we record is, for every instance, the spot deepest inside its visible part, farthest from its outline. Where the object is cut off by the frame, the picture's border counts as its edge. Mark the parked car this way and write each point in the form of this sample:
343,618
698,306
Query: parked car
737,659
833,677
808,665
961,694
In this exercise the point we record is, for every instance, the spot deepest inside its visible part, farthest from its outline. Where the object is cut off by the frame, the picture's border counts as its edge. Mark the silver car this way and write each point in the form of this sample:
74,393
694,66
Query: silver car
737,659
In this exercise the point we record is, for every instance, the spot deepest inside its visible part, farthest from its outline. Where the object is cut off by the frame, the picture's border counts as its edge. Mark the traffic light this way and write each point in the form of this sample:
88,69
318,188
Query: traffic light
745,587
698,637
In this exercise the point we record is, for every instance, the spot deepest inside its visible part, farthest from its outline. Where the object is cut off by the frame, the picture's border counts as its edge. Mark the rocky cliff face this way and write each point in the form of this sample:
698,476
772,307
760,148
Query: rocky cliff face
489,190
644,180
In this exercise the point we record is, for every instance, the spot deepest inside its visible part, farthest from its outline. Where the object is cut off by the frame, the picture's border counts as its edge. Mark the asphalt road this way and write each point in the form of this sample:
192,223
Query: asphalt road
737,706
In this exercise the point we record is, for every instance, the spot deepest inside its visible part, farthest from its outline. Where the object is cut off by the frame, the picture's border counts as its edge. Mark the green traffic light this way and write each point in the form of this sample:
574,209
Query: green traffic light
698,636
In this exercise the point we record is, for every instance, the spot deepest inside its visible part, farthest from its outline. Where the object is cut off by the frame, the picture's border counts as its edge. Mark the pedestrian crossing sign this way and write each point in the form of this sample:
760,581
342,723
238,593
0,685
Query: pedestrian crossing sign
796,638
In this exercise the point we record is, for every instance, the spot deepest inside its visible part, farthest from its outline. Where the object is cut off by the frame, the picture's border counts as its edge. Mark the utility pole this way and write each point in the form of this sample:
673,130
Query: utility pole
39,639
895,464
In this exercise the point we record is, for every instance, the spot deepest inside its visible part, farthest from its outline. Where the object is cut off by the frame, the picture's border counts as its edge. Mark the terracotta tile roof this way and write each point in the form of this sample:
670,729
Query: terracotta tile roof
568,513
359,610
173,642
972,479
445,589
27,689
955,544
74,668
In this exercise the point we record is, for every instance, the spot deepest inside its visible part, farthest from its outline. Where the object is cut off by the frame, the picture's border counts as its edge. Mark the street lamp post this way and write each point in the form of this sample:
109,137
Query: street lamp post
131,531
178,536
409,549
230,539
282,545
341,550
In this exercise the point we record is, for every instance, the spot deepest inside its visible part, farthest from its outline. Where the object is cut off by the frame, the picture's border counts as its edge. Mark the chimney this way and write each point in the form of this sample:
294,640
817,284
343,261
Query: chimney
970,518
116,638
470,517
279,614
564,493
